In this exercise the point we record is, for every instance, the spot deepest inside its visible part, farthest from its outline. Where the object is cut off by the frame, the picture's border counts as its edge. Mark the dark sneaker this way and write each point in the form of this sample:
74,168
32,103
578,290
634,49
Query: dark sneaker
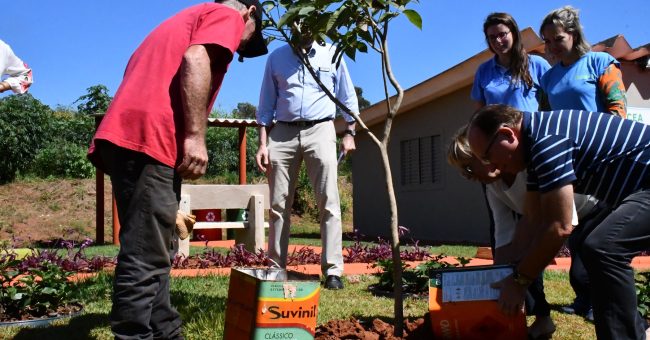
570,309
333,282
542,328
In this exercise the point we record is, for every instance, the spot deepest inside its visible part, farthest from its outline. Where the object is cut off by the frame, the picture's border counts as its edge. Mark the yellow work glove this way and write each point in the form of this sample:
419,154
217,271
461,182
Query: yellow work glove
184,224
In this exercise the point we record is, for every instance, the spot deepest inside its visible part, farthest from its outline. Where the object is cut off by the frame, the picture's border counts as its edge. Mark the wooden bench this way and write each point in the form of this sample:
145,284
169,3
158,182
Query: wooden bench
255,198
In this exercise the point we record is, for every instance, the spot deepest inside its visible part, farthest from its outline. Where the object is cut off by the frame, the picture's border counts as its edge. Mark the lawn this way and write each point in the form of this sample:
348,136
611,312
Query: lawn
201,302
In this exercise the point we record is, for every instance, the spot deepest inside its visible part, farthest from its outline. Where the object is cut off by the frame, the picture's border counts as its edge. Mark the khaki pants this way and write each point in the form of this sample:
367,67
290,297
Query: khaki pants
288,146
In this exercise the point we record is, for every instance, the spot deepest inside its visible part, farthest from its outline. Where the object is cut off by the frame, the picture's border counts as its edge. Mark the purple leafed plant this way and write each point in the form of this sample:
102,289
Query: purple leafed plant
72,260
239,256
304,255
360,253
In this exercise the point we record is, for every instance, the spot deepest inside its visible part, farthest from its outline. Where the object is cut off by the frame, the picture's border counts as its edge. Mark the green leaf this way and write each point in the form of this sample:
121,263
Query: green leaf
306,10
414,17
351,52
366,36
362,47
17,296
387,16
268,5
288,17
48,290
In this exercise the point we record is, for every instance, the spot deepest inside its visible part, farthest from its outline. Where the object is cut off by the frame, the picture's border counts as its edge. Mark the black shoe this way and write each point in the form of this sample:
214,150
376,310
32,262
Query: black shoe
333,282
571,309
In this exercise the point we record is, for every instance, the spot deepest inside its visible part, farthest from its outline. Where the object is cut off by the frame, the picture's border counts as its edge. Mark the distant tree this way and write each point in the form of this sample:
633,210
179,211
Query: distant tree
244,111
96,100
363,102
24,122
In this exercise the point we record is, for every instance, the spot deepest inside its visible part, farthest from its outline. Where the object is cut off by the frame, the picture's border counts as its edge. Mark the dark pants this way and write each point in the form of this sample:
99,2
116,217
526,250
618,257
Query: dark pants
147,194
578,276
607,252
536,303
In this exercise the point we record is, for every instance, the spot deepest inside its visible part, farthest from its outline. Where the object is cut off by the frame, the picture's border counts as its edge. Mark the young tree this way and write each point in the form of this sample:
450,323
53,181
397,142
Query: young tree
96,100
352,26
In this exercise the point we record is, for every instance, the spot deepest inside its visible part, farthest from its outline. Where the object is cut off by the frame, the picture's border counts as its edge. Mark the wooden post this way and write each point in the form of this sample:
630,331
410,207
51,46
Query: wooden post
99,198
99,207
116,224
242,155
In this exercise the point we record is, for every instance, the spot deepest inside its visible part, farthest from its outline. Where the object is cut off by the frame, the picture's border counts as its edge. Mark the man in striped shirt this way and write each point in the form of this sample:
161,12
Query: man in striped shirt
589,153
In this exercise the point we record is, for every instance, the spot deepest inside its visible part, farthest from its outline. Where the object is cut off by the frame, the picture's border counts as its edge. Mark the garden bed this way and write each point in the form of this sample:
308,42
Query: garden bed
27,319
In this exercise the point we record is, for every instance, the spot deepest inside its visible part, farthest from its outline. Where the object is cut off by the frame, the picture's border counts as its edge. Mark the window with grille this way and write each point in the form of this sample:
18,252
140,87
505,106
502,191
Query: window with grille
420,160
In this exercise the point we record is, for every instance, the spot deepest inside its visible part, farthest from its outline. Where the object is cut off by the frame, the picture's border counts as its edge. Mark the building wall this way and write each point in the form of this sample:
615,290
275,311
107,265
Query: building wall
451,209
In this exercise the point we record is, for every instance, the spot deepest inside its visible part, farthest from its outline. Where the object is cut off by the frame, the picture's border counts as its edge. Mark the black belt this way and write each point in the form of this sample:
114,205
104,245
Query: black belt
305,123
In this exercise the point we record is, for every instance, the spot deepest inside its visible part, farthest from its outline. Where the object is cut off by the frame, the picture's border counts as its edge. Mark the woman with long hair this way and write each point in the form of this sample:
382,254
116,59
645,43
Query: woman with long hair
581,79
512,76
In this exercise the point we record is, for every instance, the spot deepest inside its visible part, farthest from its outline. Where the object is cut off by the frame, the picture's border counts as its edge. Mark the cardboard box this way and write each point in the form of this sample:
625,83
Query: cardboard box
463,306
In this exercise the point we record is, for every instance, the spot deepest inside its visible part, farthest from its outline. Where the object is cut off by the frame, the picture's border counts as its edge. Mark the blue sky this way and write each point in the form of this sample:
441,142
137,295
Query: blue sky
74,44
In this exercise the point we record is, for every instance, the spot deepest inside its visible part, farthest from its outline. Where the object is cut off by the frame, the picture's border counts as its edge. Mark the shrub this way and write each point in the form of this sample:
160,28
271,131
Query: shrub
63,159
71,127
304,202
32,291
642,283
24,130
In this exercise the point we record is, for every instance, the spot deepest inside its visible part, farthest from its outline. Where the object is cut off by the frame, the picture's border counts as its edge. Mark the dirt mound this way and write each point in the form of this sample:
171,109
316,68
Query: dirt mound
377,330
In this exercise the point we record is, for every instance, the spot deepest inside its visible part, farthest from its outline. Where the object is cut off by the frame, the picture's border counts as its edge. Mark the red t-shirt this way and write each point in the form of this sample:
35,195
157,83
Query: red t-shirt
146,114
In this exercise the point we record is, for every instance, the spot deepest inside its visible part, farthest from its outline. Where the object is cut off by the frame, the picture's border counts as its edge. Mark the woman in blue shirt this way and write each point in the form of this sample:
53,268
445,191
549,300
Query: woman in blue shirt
581,79
512,77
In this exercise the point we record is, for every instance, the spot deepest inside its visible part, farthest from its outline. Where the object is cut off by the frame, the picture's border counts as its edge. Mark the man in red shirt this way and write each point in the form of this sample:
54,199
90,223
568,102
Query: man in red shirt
152,136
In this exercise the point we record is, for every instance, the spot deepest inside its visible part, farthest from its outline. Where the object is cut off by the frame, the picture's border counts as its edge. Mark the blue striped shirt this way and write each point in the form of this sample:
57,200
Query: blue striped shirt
290,93
601,154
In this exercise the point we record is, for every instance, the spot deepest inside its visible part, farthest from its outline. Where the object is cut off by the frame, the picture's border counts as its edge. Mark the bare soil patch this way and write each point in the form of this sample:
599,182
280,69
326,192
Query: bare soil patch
375,330
38,210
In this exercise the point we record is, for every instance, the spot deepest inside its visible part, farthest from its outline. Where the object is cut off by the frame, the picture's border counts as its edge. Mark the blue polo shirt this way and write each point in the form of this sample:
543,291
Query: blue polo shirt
493,84
576,86
601,154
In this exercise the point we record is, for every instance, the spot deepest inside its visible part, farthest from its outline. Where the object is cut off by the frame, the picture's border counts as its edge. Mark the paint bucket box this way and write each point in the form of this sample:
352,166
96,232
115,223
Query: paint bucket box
463,306
271,303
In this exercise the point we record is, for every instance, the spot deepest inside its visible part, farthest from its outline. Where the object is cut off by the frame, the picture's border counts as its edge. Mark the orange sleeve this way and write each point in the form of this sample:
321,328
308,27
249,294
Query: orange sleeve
612,89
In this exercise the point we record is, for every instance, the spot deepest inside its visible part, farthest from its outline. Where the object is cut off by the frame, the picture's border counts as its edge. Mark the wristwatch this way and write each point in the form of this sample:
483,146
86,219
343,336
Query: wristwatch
521,279
350,132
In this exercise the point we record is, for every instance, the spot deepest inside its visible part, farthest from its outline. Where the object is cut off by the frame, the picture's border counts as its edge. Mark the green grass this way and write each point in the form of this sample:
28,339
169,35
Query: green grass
202,301
111,250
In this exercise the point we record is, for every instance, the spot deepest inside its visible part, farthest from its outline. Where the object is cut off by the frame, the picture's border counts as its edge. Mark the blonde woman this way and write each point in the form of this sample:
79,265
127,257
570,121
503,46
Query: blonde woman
581,79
